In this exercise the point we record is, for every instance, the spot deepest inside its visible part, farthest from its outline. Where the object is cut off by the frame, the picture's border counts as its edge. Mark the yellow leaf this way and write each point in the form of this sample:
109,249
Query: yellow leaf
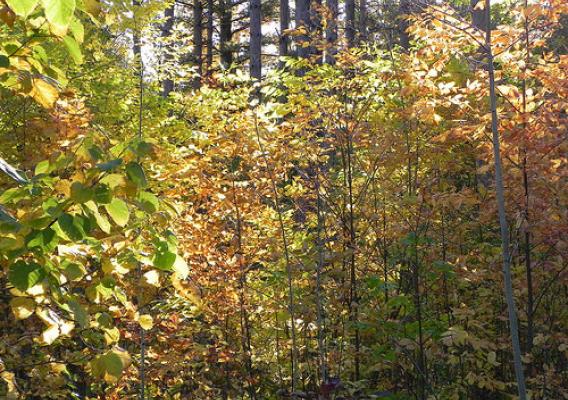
152,278
44,93
22,307
50,334
146,322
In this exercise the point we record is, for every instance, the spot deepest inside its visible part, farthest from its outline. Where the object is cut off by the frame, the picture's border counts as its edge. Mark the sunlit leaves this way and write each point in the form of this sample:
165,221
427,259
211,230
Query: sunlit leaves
59,14
118,211
44,93
165,256
22,307
22,8
146,322
25,275
73,49
110,365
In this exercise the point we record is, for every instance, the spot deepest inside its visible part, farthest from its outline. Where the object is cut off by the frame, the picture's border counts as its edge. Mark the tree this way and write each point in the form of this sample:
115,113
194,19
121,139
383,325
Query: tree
255,39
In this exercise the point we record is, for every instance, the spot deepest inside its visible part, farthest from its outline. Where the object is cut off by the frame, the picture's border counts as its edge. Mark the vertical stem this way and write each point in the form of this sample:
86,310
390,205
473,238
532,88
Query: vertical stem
527,244
354,299
513,323
278,207
319,268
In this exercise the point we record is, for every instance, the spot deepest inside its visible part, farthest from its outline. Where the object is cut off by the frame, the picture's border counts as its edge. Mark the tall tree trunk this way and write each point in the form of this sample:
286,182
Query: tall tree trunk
255,40
404,10
479,20
209,44
226,32
197,42
499,187
350,22
284,25
527,244
363,20
331,32
478,14
168,83
303,22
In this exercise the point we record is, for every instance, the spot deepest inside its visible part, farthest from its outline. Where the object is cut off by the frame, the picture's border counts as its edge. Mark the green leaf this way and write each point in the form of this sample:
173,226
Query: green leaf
59,14
149,202
23,8
42,167
109,165
101,220
73,49
164,258
78,30
25,275
136,174
73,271
79,313
71,227
45,239
81,193
118,211
4,61
103,194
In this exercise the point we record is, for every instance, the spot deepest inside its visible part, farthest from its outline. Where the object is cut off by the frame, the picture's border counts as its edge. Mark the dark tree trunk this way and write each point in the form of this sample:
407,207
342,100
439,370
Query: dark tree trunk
363,20
303,22
404,10
350,22
479,16
255,40
210,13
284,25
226,32
331,32
168,84
197,42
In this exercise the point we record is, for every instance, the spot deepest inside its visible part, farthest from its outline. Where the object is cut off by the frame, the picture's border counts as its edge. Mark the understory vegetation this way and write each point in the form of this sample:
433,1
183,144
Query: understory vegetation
378,211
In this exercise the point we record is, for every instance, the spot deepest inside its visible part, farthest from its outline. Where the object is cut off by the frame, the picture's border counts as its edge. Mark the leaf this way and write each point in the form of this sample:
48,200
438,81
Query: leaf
42,167
22,8
71,227
164,259
181,267
50,334
22,307
152,277
103,194
11,171
73,49
81,193
110,365
25,275
136,174
44,93
78,30
79,313
118,211
109,165
59,14
149,202
73,271
146,322
4,61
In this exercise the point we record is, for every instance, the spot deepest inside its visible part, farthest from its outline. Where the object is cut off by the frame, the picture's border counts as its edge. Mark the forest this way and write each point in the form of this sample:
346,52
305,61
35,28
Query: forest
264,200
